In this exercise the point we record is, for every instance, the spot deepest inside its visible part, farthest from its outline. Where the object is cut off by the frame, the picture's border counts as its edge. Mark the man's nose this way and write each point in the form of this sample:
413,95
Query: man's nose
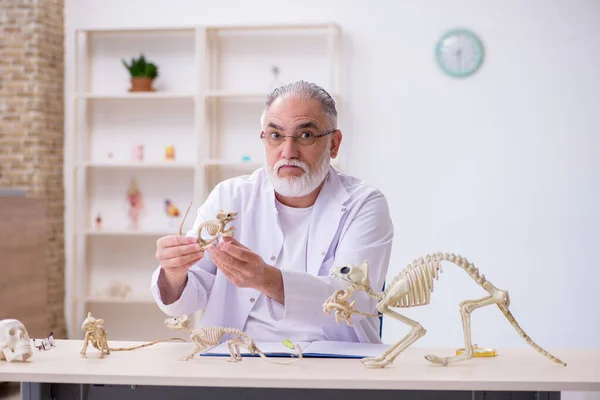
289,148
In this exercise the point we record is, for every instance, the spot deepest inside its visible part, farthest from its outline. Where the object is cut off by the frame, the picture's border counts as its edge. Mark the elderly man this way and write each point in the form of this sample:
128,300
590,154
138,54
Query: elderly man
297,218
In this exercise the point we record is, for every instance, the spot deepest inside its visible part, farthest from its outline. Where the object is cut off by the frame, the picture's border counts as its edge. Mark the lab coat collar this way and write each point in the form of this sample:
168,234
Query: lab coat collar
328,210
327,213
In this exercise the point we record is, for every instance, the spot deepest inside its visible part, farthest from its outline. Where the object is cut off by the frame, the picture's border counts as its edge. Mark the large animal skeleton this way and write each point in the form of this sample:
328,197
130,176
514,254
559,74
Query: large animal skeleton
412,287
96,335
215,227
206,338
14,341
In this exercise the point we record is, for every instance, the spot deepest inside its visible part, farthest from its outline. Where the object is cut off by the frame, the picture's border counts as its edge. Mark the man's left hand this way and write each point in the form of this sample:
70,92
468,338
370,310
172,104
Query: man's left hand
245,268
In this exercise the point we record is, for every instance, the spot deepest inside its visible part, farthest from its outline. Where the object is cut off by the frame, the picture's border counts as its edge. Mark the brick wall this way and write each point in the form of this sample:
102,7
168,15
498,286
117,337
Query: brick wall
31,123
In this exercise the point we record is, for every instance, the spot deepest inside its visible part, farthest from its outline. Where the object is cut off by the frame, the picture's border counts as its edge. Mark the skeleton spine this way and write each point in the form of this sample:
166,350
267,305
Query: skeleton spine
464,264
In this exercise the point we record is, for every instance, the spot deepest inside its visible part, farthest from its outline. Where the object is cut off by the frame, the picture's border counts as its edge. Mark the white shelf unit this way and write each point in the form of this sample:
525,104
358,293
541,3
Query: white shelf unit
209,95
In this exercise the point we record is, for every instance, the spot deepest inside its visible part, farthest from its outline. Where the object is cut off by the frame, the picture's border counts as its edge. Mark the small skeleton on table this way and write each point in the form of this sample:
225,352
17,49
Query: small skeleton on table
208,337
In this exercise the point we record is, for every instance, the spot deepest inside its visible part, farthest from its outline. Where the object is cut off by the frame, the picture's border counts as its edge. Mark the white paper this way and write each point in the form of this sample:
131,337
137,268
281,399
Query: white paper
347,348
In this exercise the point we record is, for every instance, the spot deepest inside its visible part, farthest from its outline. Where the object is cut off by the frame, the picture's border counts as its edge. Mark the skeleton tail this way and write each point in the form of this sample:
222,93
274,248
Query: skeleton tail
144,345
529,341
183,219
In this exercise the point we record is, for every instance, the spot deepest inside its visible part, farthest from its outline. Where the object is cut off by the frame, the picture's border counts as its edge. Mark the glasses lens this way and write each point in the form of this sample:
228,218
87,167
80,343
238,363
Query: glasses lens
275,139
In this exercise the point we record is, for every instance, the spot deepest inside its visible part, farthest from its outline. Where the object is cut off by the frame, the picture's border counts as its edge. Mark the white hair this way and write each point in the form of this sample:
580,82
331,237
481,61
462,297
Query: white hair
303,90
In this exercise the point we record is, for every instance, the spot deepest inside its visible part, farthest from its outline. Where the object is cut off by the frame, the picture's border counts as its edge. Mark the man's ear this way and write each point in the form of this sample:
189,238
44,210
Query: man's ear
336,141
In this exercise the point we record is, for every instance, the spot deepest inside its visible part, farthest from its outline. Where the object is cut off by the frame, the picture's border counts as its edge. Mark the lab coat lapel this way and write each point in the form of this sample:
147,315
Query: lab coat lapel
327,213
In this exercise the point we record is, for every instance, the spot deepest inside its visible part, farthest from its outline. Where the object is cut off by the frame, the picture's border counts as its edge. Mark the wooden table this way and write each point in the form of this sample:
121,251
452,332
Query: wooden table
158,371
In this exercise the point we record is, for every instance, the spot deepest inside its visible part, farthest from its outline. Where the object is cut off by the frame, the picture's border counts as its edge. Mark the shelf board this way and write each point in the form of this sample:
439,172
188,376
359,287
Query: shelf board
246,164
235,164
138,165
247,96
135,96
244,96
275,27
118,300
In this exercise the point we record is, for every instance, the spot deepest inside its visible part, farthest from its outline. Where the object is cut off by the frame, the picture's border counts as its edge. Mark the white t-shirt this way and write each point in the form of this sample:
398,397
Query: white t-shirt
260,325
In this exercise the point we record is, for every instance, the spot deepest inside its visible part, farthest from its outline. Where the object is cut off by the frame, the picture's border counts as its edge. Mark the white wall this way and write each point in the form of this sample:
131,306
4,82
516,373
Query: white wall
501,167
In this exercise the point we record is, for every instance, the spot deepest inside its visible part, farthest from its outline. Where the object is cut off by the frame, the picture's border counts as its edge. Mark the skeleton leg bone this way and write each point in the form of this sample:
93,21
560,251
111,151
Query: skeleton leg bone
234,350
466,307
200,347
390,355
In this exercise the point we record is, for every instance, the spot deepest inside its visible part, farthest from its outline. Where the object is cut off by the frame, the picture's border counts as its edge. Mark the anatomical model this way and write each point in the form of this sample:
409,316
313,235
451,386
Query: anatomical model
134,196
116,290
412,287
96,335
14,341
171,210
206,338
215,228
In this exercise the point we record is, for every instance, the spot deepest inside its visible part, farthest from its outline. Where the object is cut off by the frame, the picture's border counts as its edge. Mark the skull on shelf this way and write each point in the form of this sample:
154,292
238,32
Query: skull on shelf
15,344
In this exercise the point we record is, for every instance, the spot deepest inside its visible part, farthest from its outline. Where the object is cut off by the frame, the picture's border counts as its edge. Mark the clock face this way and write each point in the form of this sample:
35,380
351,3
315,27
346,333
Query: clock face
459,53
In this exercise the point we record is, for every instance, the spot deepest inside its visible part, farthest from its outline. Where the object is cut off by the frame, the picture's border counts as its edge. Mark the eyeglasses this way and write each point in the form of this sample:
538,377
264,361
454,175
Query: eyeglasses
306,138
46,344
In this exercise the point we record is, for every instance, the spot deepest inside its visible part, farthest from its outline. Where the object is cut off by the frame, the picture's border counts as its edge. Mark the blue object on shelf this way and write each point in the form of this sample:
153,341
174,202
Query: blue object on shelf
245,158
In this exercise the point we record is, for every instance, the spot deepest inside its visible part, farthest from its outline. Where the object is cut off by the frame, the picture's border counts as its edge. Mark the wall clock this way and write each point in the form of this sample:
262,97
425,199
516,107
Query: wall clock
459,53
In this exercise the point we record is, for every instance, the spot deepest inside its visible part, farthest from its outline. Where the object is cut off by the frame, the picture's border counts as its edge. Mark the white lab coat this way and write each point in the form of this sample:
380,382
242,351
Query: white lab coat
350,223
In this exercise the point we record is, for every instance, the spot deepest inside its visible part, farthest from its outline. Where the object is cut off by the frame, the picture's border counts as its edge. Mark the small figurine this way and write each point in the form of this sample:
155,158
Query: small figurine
134,196
412,287
14,341
171,210
98,222
170,153
207,338
138,153
214,227
96,335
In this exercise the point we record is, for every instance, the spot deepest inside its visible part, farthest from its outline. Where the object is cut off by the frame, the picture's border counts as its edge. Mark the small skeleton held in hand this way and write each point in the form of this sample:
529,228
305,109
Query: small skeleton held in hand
206,338
412,287
216,228
96,335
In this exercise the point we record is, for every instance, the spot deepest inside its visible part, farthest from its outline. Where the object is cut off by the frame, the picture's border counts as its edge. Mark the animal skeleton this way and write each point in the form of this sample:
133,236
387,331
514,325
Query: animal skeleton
412,287
206,338
214,227
96,335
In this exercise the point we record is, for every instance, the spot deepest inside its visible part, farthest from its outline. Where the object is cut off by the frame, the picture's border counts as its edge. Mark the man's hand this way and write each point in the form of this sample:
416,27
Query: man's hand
176,254
245,268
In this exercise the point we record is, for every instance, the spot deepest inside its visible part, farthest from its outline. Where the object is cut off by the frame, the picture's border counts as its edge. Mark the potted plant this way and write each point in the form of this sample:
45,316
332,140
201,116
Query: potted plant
142,74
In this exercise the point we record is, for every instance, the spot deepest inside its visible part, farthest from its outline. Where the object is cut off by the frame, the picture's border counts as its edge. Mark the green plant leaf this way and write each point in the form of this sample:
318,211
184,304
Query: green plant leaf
141,67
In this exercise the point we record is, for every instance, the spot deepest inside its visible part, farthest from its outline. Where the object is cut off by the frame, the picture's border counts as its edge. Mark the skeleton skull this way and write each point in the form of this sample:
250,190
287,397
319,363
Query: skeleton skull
14,341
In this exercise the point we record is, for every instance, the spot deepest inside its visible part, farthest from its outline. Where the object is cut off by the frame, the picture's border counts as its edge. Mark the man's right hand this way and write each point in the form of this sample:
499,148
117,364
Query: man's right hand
176,254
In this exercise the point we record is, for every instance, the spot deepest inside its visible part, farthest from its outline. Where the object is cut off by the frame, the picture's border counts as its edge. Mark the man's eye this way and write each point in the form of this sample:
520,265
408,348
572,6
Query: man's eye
306,135
275,135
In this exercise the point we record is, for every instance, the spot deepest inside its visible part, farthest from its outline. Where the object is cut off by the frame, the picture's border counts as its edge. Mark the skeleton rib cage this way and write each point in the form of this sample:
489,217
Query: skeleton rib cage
421,274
